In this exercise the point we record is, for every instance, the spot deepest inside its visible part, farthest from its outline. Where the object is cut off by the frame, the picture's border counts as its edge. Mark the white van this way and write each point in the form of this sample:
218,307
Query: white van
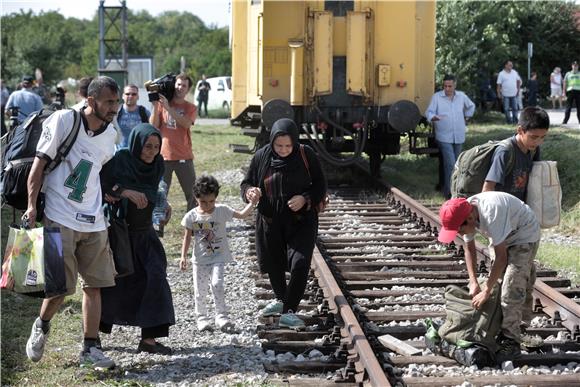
220,95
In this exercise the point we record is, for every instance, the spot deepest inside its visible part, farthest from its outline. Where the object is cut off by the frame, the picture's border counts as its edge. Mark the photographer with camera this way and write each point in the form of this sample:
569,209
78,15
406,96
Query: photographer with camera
173,117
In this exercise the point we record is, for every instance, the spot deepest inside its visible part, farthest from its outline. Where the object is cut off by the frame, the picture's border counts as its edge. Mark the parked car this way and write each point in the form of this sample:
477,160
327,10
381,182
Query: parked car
220,95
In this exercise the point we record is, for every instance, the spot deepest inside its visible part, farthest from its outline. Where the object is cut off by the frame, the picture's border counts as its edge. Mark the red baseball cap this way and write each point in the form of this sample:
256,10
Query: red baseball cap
452,215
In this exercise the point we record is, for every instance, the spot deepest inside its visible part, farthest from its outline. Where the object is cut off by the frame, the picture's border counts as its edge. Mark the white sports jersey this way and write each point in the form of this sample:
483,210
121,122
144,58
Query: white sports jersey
73,190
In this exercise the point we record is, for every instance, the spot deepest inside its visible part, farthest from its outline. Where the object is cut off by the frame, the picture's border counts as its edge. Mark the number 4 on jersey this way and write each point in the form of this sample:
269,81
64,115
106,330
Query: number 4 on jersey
77,180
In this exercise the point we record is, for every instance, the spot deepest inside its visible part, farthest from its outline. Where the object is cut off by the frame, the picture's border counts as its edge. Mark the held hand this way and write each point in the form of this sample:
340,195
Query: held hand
29,217
163,101
480,299
136,197
183,264
253,195
474,288
435,118
111,199
296,202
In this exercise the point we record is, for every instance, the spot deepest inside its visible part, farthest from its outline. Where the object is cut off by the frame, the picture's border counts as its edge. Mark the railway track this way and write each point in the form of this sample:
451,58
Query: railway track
377,274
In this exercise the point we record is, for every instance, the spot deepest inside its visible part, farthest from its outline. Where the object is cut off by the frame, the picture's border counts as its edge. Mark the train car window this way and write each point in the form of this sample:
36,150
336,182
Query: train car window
339,8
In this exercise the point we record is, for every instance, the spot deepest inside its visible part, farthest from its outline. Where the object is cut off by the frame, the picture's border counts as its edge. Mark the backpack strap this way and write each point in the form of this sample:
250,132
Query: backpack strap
507,143
143,114
65,147
305,159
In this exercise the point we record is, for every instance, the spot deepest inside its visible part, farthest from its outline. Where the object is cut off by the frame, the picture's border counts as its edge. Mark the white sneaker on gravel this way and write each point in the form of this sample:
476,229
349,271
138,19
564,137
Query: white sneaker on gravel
95,358
36,341
274,307
203,324
224,324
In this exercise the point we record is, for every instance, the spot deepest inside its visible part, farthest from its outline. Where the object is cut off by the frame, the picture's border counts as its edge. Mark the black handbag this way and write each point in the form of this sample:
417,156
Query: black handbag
119,241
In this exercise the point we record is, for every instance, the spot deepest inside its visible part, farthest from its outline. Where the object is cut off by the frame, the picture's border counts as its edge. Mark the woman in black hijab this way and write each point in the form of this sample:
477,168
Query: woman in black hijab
289,182
143,298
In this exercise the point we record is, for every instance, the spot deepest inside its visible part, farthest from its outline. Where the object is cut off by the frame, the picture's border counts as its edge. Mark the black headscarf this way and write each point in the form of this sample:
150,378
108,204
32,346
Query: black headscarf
129,171
285,127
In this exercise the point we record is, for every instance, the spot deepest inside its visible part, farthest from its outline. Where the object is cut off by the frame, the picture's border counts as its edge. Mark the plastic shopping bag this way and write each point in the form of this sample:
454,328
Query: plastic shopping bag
36,261
27,259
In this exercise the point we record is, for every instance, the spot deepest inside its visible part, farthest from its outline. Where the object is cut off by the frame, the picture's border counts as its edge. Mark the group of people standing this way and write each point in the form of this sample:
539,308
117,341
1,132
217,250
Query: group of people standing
567,88
284,182
503,217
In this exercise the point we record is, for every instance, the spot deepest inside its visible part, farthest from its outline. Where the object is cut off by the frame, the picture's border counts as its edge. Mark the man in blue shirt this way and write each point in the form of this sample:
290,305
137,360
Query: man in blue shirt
24,99
449,111
131,114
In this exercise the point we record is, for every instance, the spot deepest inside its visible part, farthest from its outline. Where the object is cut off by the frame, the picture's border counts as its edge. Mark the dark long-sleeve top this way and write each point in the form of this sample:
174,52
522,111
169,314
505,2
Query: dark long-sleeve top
297,179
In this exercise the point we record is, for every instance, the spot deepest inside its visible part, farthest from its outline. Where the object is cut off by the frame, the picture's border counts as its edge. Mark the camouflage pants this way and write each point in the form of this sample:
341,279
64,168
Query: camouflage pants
516,289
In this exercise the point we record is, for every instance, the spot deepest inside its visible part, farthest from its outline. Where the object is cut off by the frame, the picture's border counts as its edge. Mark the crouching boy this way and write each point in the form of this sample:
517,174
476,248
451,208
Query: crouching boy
514,234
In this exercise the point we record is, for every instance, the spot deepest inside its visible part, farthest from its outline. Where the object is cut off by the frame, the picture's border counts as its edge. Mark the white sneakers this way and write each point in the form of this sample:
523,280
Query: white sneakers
95,358
36,341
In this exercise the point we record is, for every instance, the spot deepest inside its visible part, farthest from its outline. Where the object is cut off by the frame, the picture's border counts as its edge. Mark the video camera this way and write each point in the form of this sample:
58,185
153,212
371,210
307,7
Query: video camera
163,85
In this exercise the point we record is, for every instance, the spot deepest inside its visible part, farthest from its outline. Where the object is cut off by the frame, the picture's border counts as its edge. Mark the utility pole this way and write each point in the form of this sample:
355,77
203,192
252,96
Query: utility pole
113,42
530,54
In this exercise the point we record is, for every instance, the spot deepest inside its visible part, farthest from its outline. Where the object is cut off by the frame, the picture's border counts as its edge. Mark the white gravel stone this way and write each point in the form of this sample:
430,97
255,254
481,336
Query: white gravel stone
203,358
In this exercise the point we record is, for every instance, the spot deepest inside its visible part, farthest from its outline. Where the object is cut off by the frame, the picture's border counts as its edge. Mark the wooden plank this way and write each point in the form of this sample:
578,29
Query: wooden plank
398,346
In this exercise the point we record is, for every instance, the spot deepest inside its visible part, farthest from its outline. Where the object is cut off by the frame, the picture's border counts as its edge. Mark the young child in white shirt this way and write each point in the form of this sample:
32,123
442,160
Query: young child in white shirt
207,224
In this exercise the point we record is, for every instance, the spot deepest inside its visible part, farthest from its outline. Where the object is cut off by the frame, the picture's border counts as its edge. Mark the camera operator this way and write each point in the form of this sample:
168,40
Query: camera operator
174,119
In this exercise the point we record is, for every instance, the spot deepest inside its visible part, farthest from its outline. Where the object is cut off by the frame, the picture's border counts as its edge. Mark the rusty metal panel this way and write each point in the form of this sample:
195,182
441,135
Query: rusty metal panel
356,53
323,33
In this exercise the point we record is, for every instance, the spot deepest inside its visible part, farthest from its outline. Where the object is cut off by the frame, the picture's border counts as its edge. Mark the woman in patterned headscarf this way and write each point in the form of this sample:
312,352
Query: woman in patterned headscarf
289,182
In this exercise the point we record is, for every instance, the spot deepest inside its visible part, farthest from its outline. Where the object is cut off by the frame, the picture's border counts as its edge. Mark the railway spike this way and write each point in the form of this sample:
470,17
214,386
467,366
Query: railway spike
482,268
538,307
557,319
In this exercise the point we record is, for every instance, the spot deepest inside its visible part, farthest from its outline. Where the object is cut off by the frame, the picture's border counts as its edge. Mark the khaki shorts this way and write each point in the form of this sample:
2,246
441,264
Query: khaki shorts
87,254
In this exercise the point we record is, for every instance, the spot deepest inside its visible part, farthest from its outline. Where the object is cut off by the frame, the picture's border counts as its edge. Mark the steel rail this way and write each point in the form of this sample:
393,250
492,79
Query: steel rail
552,301
338,302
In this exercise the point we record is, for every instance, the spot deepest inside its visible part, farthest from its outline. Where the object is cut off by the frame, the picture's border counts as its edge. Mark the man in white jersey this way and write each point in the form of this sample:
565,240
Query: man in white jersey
73,203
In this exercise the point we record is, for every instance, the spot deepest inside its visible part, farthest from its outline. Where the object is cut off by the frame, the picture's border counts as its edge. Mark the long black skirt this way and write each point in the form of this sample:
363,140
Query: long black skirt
143,298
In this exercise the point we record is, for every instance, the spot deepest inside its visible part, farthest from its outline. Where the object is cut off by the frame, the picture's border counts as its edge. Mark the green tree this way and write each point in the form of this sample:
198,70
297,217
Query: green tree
475,38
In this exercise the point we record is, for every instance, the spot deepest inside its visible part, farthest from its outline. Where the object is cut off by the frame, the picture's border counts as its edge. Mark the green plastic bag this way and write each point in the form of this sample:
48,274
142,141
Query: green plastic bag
25,249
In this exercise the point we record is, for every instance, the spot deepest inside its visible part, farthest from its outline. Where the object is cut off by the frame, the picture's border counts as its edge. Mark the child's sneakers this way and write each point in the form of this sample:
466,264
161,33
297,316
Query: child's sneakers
224,324
203,324
273,308
290,320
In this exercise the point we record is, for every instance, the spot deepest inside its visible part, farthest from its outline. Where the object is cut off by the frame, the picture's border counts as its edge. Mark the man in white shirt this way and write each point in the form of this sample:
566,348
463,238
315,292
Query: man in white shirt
449,111
508,88
73,203
514,234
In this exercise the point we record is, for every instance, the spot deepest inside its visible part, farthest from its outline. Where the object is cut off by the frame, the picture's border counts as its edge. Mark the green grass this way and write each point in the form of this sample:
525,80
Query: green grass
210,145
561,145
59,366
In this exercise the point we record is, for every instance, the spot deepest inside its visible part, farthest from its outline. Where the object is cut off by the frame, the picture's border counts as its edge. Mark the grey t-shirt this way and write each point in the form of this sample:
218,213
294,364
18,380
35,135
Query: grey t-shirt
503,217
515,181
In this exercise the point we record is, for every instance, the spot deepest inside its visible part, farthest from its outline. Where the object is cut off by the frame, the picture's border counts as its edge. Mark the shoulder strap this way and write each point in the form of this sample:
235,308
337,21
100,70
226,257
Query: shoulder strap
305,159
67,144
143,114
507,143
120,113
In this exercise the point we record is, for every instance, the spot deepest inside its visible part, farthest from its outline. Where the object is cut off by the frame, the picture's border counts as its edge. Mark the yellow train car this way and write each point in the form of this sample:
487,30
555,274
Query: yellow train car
355,75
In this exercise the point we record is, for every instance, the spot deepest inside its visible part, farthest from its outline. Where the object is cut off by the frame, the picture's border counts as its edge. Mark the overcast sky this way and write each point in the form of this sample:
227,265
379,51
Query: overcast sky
209,11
